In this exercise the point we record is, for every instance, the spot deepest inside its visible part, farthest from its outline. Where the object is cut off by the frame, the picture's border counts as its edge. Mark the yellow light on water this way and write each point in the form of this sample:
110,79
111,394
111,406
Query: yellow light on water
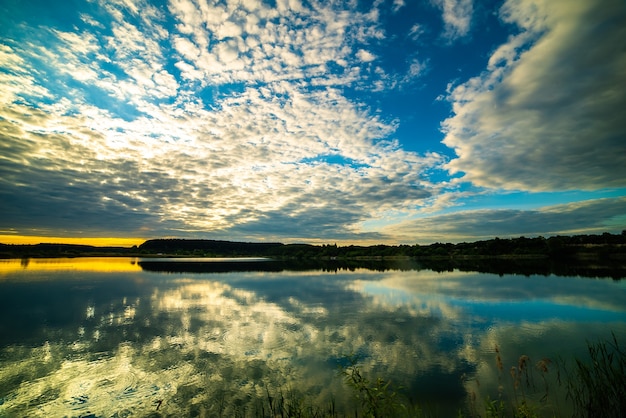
92,264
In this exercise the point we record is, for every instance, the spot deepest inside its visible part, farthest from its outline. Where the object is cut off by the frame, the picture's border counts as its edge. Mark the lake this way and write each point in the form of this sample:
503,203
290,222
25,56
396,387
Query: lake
119,337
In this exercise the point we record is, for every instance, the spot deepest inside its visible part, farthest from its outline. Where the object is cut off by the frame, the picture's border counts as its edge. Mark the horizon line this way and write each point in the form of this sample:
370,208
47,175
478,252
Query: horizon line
134,241
92,241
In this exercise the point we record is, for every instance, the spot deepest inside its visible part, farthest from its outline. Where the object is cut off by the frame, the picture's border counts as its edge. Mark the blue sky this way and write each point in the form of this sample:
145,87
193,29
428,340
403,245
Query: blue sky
301,121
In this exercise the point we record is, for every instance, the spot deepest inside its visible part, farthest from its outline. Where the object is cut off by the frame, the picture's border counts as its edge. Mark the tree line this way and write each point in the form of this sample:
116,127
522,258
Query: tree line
603,246
590,246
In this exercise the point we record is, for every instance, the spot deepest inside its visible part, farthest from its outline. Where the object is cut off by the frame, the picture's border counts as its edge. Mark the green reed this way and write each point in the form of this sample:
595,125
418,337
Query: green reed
378,398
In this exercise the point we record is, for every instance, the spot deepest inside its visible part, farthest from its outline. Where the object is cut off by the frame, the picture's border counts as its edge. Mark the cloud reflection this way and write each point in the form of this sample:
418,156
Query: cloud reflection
217,343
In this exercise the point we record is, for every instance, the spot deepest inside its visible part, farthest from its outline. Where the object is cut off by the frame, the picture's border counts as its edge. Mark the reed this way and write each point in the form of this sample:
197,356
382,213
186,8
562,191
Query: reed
378,398
597,387
593,386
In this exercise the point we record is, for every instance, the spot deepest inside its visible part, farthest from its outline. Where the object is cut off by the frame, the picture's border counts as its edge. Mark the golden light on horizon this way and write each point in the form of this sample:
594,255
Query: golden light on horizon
92,264
95,241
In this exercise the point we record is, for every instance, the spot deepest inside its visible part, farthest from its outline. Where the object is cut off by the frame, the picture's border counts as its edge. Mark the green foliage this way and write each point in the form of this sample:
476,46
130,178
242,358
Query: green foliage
377,398
495,408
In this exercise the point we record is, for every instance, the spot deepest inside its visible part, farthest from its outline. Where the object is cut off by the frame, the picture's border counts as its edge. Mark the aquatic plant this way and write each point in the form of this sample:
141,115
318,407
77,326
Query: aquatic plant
597,387
378,398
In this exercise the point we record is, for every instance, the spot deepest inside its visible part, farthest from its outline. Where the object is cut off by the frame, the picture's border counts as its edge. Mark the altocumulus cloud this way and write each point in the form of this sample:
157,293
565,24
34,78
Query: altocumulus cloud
196,117
241,120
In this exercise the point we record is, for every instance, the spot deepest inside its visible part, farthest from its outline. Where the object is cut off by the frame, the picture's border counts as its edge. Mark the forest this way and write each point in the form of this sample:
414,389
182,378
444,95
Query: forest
590,247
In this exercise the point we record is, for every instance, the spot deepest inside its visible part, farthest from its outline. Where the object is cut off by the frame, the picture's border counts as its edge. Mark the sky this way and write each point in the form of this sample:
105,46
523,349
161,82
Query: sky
349,122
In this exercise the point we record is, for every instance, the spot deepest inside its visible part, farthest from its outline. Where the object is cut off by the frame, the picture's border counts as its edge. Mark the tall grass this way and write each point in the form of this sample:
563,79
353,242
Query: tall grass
377,398
598,387
518,394
583,387
291,403
592,387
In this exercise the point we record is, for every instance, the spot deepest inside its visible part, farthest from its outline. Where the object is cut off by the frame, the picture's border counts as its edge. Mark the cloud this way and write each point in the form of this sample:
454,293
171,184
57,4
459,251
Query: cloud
397,5
586,217
457,17
234,121
263,44
545,114
416,69
416,31
365,56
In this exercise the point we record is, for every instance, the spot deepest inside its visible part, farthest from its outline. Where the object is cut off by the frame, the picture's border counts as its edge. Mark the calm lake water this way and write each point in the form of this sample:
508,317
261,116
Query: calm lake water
130,337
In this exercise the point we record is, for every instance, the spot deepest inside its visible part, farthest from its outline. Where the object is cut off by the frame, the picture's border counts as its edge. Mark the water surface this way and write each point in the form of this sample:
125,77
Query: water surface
134,337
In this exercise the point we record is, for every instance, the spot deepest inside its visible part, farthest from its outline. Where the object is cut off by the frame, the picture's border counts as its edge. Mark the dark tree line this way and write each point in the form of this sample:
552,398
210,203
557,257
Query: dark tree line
557,247
205,248
603,246
60,250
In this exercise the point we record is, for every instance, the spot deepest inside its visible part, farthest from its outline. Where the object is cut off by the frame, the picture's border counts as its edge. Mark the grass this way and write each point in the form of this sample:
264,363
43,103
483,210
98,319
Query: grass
598,387
527,400
594,387
378,397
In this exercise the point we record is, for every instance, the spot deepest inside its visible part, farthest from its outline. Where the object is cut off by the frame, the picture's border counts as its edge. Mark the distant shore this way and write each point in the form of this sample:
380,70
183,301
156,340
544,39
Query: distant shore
581,255
580,247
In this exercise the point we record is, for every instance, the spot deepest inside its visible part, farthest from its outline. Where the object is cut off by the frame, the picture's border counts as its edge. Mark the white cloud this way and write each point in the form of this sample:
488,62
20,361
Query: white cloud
416,68
227,53
228,29
234,123
215,156
416,31
600,215
90,20
365,56
270,46
186,48
18,81
457,17
545,114
397,5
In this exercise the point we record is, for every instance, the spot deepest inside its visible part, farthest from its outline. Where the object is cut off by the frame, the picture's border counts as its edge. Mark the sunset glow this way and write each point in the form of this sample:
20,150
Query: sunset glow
99,242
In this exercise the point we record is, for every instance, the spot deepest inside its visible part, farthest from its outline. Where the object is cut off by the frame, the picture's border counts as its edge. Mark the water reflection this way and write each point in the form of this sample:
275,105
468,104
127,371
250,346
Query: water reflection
112,341
516,266
93,264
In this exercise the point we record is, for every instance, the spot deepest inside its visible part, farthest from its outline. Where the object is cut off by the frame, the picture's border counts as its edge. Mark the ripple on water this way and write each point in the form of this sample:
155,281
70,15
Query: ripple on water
116,384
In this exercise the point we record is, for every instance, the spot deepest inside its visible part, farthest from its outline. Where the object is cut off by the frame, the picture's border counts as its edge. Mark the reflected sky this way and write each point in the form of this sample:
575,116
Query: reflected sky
8,268
104,341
